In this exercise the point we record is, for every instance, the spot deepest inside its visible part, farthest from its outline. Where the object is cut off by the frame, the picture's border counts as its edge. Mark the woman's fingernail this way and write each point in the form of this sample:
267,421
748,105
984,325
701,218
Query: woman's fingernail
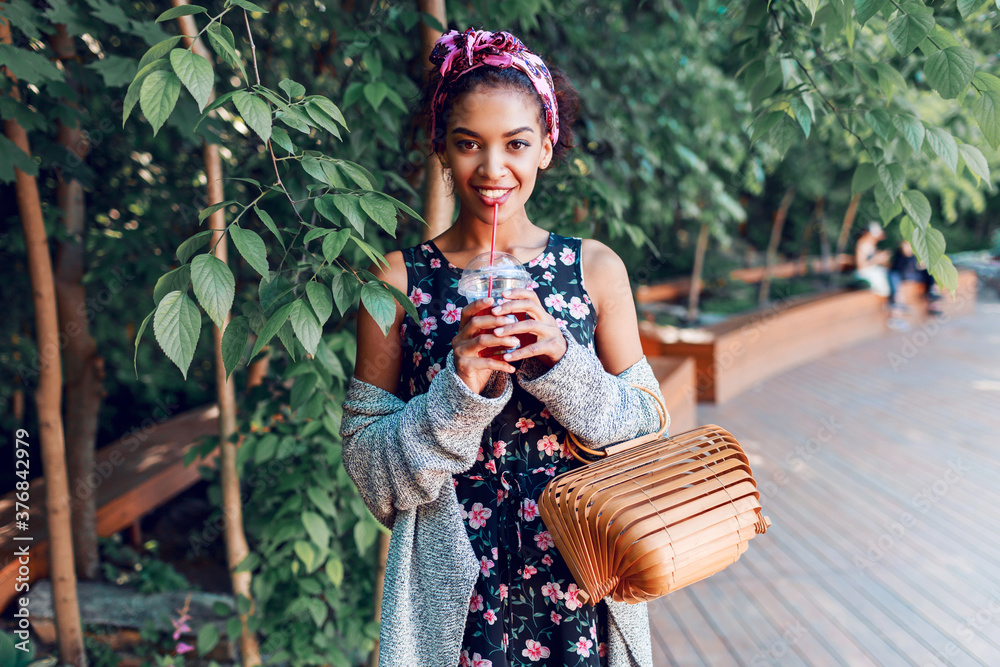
506,294
498,331
496,311
488,300
507,356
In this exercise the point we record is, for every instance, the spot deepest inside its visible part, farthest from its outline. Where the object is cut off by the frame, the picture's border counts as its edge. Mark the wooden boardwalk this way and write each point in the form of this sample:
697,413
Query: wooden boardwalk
879,467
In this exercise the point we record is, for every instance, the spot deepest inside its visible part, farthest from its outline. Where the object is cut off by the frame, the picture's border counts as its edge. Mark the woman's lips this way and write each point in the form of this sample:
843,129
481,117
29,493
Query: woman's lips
493,196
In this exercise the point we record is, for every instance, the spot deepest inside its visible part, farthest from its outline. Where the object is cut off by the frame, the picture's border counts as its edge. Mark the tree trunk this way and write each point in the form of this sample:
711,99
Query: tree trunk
232,506
439,202
772,247
845,230
699,261
84,365
814,222
48,398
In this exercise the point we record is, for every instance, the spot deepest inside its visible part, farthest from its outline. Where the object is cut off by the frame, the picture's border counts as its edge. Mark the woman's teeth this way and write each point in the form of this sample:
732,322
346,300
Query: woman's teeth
492,194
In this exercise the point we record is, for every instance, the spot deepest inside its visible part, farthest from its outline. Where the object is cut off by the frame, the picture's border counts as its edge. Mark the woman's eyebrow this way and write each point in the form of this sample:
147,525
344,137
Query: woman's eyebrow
466,131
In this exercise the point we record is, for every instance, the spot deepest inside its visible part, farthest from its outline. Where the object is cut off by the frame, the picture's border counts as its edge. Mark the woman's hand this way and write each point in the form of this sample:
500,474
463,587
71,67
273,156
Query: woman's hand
549,346
472,337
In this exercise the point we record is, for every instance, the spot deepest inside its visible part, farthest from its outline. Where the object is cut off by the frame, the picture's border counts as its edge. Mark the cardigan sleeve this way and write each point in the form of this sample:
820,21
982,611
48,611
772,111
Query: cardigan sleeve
598,407
399,454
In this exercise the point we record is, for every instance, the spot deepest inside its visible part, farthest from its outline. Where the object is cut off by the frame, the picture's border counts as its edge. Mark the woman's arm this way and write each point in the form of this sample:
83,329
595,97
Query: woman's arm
592,395
398,453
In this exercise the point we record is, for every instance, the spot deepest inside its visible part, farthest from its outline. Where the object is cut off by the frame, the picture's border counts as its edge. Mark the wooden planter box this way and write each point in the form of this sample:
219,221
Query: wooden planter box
734,355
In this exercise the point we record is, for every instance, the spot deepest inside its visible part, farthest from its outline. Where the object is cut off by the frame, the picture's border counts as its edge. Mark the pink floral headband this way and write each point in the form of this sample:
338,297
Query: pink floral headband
460,52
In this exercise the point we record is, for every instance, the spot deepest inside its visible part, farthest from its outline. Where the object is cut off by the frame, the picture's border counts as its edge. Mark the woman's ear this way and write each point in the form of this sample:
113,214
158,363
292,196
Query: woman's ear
547,152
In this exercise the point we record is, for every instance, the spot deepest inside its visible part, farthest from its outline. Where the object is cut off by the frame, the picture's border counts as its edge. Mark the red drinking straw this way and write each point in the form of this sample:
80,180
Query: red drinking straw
493,245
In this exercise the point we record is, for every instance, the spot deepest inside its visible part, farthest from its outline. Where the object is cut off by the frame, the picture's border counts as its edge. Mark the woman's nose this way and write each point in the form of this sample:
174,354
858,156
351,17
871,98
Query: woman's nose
492,167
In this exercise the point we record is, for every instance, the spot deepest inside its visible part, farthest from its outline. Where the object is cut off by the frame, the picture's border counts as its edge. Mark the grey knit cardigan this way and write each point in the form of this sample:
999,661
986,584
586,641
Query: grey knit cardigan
402,455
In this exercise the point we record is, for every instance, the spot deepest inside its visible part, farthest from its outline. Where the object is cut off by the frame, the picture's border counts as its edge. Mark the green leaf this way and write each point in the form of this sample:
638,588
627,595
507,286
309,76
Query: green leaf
944,145
976,163
374,255
321,499
986,109
907,30
323,171
865,9
195,72
266,447
307,328
304,550
350,207
234,342
812,6
945,273
274,323
249,6
294,119
177,326
255,112
888,208
365,535
251,246
381,211
344,288
950,71
986,81
209,210
280,137
879,120
403,207
912,130
967,7
321,301
906,227
292,88
208,638
404,301
177,280
335,571
333,244
177,12
763,125
358,174
12,156
380,305
138,337
115,70
214,286
892,177
865,177
224,44
375,92
928,244
917,207
132,94
265,217
158,96
329,108
29,66
803,114
889,79
318,531
321,119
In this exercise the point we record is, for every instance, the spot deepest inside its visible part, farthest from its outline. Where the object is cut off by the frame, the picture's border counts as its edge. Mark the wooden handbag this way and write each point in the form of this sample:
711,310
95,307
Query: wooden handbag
653,514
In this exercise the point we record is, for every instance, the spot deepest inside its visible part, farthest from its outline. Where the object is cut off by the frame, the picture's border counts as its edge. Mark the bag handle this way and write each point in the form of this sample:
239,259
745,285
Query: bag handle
573,443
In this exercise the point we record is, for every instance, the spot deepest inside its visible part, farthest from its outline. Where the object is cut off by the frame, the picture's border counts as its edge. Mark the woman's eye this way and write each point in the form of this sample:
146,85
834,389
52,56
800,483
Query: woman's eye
465,144
518,144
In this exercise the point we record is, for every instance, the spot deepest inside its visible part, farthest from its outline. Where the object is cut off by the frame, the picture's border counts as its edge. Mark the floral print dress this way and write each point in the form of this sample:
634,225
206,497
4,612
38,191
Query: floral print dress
525,608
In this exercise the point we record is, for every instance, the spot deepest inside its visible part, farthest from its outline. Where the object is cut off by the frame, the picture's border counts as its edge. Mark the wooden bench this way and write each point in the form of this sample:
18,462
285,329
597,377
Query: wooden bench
132,477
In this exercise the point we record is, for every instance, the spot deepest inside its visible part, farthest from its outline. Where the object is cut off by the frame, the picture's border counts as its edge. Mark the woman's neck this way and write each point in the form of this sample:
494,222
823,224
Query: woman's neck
471,235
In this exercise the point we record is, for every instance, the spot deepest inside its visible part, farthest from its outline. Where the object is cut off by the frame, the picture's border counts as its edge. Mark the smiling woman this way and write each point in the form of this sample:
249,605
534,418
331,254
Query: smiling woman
452,448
